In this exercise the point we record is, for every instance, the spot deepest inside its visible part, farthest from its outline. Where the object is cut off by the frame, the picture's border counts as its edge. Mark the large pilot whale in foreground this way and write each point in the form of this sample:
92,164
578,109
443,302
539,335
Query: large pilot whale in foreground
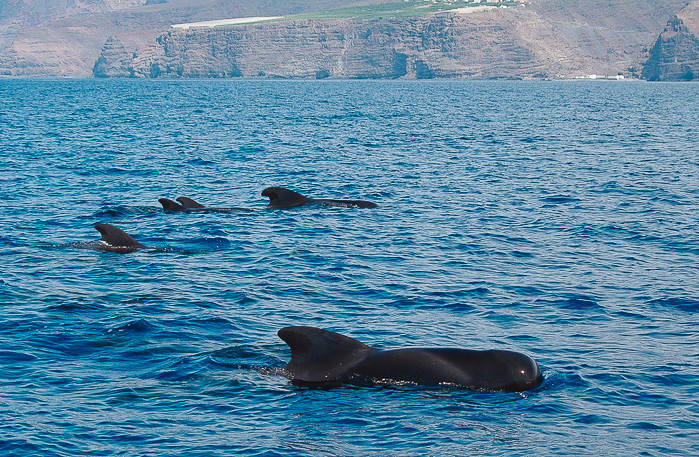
115,239
322,358
280,197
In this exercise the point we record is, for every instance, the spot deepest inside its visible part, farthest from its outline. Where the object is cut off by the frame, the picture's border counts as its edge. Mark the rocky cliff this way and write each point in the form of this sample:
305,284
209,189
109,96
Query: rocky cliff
554,39
438,46
65,38
547,39
675,55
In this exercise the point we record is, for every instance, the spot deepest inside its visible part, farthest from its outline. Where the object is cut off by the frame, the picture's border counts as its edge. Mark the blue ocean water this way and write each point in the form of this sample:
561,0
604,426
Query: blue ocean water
558,219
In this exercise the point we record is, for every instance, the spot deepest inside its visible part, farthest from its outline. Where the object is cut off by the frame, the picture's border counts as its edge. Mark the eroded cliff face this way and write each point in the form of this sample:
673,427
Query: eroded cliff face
437,46
547,39
675,55
65,38
501,43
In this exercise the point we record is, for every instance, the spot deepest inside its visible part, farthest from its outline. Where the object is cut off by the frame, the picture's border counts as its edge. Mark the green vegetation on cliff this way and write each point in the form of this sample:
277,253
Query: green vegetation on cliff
410,8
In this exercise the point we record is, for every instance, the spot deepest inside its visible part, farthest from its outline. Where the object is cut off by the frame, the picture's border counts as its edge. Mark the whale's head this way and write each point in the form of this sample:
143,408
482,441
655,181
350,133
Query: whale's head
280,197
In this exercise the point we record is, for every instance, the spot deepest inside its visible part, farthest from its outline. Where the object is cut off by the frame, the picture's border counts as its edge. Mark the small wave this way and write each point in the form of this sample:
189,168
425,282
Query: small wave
460,307
683,304
581,304
478,291
531,139
352,422
200,161
474,292
576,303
631,315
554,380
685,247
635,236
525,290
19,445
183,250
126,171
251,149
139,326
645,426
212,244
75,307
8,242
9,357
179,375
214,321
244,357
240,297
117,211
590,419
560,199
522,338
674,379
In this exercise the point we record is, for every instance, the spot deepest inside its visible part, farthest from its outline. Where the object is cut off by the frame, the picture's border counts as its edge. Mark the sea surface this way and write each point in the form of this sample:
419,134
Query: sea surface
557,219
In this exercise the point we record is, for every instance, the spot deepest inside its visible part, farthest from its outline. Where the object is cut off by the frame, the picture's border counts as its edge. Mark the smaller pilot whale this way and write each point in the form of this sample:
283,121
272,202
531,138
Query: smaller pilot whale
186,204
189,204
115,239
280,197
324,359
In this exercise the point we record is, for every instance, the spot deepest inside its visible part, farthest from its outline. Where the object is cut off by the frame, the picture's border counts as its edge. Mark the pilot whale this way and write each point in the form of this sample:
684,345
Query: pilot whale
115,239
280,197
321,358
186,204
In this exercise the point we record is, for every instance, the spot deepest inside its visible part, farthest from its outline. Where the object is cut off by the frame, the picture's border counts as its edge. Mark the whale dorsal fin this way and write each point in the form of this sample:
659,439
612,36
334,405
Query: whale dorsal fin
169,205
189,203
319,355
280,197
116,237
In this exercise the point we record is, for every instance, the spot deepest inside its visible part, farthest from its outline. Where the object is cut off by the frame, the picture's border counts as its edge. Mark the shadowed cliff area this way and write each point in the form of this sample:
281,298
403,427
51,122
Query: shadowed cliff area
545,39
675,55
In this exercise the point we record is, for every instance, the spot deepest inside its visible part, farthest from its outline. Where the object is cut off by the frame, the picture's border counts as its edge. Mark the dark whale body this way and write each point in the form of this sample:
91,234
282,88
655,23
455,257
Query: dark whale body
169,205
186,204
324,359
280,197
115,239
